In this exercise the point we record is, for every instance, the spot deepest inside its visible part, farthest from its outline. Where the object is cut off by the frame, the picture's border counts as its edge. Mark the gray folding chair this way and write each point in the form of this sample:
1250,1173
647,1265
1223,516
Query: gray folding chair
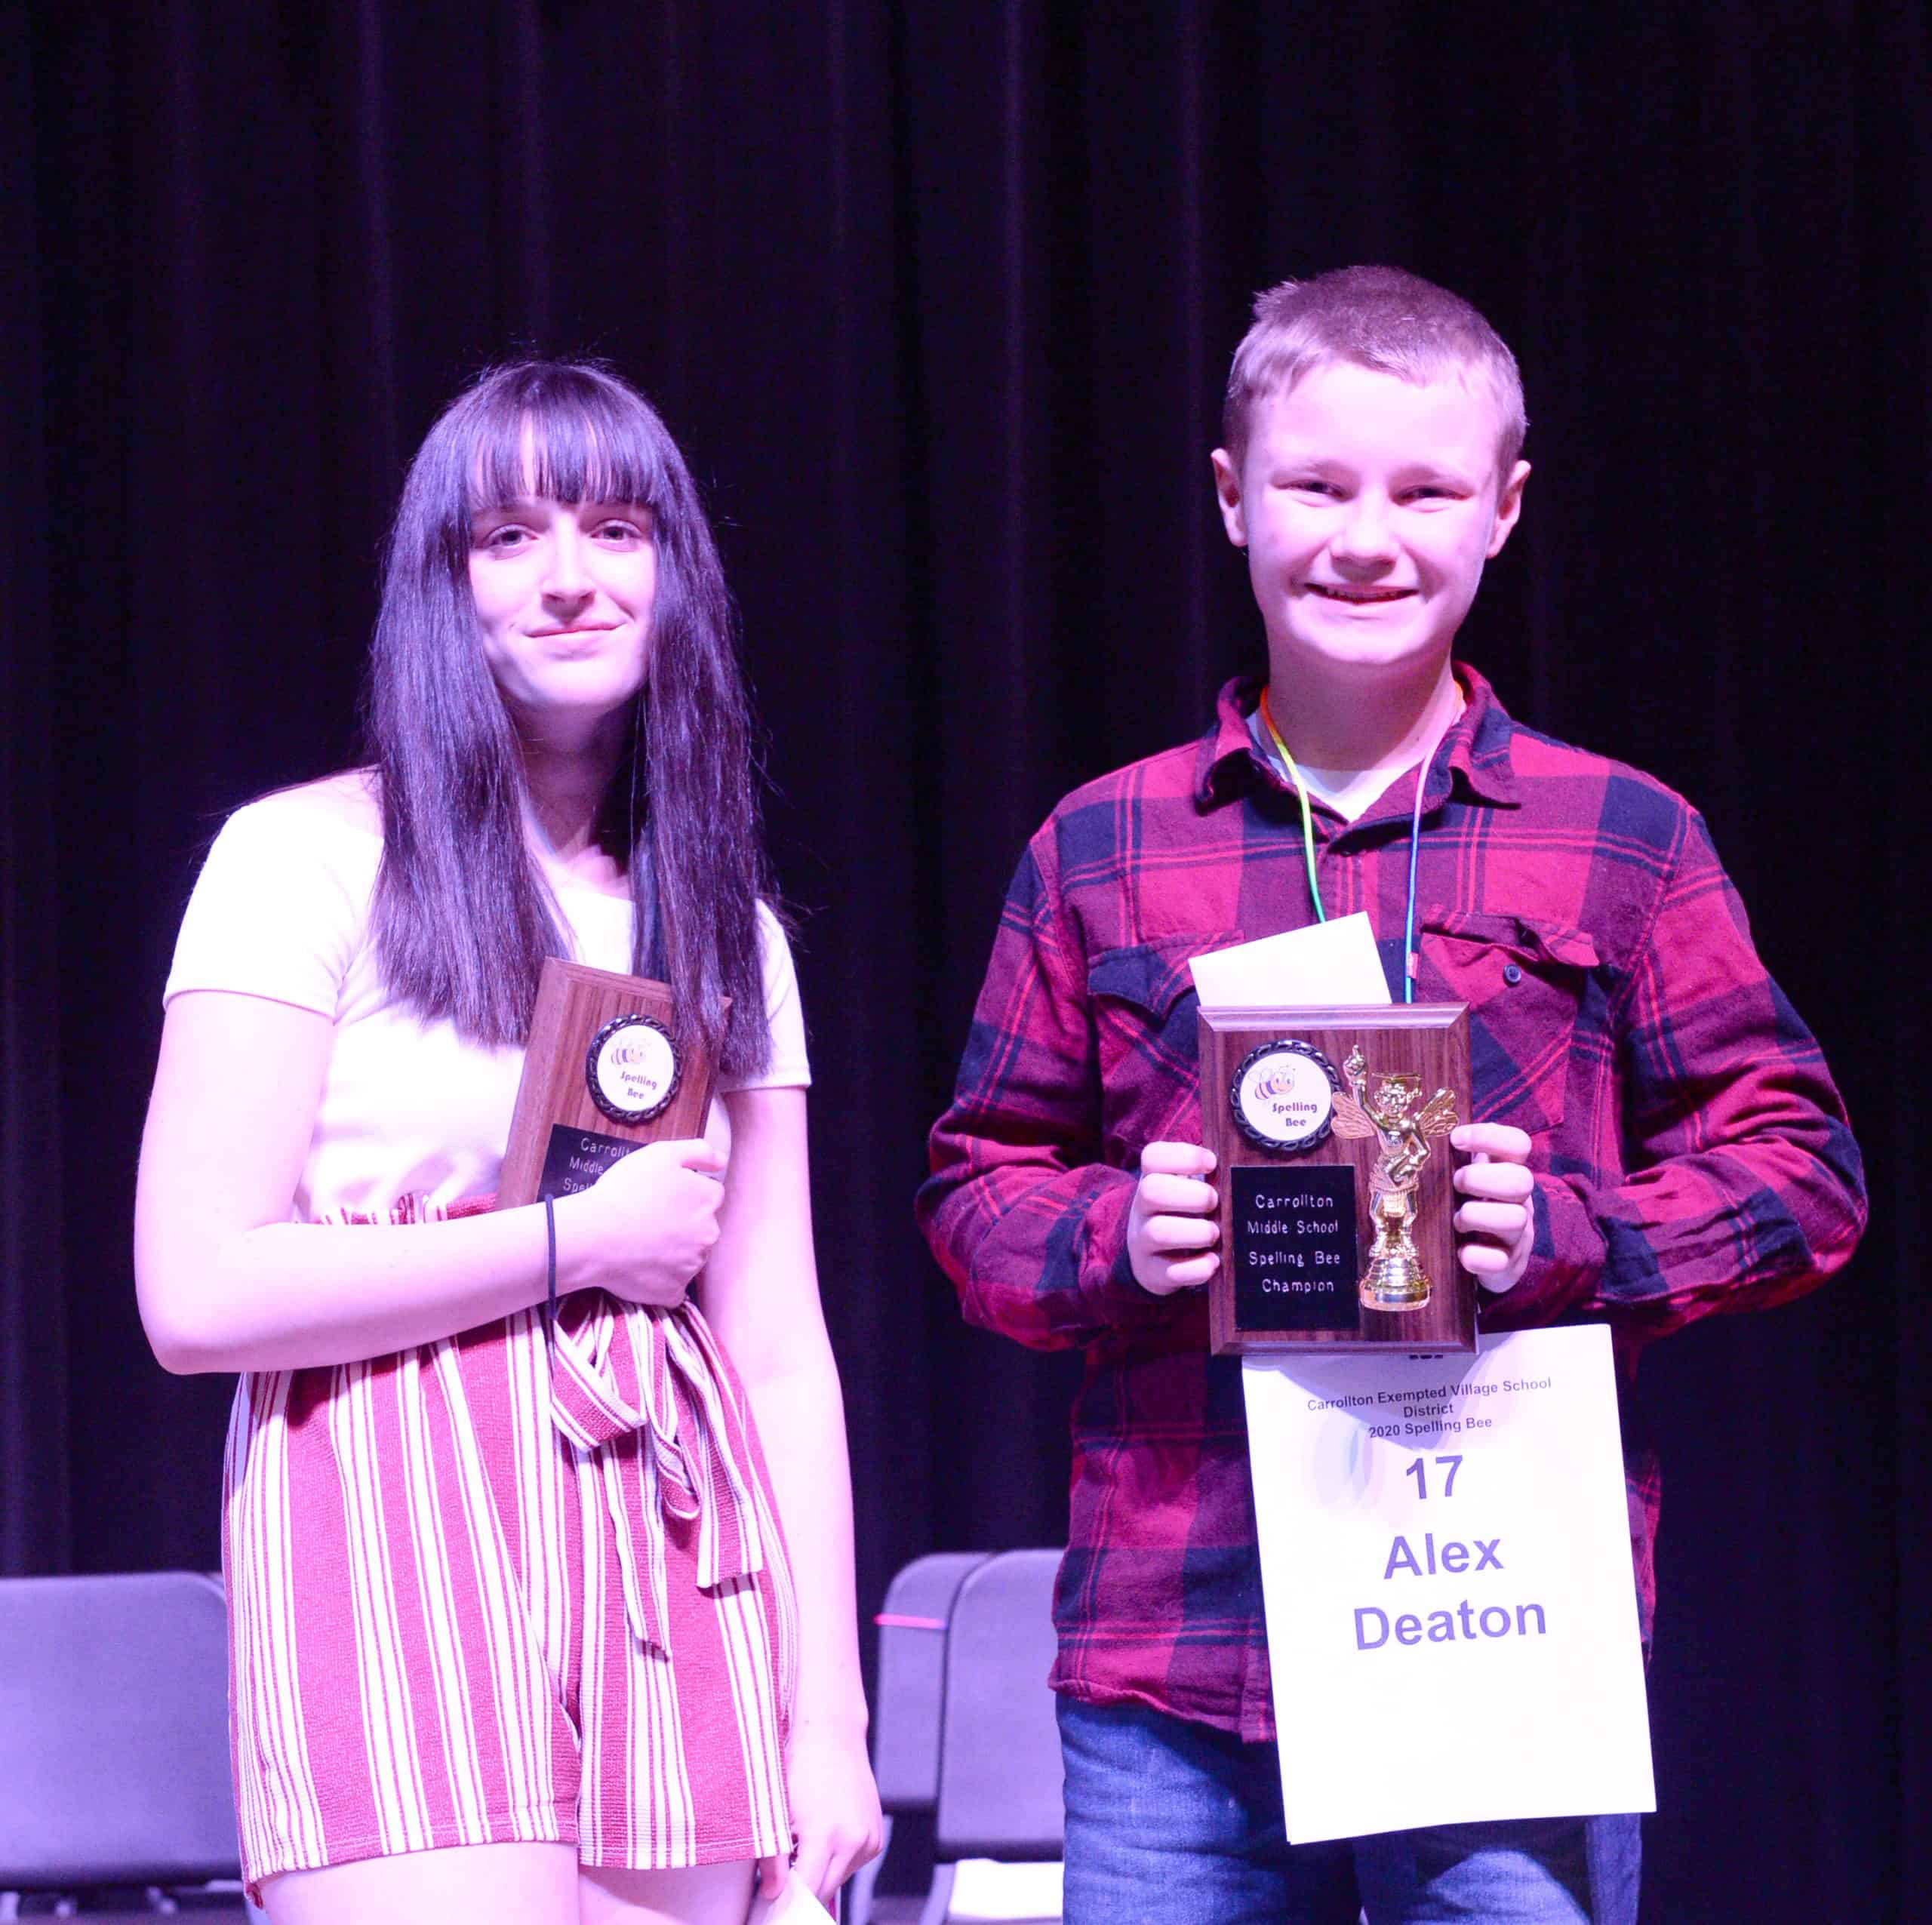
114,1743
1000,1793
911,1685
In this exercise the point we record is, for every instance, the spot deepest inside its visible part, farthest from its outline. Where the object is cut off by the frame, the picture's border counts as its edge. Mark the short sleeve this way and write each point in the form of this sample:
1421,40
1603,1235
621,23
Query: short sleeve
280,909
788,1066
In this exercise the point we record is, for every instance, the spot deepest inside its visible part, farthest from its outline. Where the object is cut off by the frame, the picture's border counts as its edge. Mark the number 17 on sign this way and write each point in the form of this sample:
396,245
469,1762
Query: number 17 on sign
1419,1471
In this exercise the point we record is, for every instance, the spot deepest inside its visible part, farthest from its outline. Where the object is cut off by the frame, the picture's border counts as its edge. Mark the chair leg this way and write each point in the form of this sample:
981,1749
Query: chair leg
865,1881
939,1897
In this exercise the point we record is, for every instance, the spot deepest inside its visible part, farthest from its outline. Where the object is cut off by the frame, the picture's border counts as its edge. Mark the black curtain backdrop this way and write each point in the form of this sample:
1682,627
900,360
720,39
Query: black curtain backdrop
940,299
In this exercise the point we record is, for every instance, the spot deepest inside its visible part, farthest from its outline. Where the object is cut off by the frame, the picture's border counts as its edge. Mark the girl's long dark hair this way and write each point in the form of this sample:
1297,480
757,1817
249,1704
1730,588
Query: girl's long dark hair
462,918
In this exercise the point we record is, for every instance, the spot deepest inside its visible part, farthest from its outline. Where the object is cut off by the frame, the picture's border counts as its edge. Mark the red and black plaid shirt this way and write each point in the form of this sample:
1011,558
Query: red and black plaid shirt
1691,1152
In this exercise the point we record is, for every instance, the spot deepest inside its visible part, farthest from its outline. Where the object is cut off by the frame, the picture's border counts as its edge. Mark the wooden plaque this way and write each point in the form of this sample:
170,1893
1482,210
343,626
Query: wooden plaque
602,1074
1330,1129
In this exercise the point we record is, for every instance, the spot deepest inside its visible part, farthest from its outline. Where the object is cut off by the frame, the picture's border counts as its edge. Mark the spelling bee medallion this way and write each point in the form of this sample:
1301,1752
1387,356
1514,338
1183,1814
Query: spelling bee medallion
631,1068
1284,1096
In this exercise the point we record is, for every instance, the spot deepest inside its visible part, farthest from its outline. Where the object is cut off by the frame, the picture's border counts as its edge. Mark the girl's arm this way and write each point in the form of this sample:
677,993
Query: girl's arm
227,1282
760,1293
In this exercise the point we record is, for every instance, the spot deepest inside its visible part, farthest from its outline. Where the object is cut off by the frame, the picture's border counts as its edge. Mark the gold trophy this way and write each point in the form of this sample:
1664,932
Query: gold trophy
1395,1279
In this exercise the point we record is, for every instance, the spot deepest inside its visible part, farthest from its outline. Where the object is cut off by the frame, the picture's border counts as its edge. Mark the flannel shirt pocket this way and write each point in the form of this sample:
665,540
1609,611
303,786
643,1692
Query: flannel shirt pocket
1524,981
1144,1016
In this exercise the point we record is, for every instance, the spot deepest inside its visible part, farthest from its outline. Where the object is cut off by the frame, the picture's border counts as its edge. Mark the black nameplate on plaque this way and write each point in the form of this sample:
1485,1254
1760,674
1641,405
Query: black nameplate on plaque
575,1158
1293,1247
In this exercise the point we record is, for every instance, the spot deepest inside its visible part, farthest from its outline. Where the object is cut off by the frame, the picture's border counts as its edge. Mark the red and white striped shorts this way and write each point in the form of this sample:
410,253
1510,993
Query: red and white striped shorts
500,1588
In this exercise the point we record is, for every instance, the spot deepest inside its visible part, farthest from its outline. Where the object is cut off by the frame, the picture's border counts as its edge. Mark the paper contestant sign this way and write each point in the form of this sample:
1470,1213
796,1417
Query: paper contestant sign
1445,1557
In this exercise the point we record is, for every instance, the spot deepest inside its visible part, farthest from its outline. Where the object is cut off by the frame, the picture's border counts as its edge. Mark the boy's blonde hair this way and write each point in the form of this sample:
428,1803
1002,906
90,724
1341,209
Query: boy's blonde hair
1380,318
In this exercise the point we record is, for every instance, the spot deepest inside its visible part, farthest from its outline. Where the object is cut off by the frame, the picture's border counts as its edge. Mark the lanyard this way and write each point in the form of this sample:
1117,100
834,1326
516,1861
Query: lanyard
1301,789
1308,841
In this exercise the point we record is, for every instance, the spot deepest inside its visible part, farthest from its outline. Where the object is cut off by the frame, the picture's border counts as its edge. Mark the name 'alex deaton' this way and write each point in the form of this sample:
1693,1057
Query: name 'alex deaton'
1374,1627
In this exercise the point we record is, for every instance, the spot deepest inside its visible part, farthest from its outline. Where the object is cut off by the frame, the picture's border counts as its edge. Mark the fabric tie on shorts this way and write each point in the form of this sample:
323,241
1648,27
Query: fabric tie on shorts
666,1440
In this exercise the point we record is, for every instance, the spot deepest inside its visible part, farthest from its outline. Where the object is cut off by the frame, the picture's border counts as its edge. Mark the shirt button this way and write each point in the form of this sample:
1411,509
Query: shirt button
1511,974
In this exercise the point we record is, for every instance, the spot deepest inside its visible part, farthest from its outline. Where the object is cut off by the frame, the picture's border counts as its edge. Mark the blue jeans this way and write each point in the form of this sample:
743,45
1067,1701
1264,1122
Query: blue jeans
1173,1823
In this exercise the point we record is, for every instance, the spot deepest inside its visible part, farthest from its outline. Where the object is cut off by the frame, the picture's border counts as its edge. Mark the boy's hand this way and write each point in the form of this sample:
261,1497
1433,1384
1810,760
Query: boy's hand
1170,1230
1499,1217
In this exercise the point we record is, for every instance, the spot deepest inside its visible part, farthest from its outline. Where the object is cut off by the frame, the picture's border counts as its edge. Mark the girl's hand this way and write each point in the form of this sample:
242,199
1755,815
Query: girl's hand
644,1229
835,1811
1499,1219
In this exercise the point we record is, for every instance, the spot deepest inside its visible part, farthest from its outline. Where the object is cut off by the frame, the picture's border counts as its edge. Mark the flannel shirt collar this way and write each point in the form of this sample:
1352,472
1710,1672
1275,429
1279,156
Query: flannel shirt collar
1479,741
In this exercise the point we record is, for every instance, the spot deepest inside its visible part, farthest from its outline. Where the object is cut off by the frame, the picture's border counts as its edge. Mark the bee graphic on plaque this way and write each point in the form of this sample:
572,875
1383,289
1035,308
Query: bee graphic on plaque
1395,1279
631,1068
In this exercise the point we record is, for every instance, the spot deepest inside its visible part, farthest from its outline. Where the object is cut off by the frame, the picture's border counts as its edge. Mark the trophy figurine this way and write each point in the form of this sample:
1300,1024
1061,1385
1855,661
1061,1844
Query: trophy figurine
1395,1279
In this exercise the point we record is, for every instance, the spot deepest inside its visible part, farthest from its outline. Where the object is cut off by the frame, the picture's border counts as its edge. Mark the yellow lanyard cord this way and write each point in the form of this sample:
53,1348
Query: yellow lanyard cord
1301,789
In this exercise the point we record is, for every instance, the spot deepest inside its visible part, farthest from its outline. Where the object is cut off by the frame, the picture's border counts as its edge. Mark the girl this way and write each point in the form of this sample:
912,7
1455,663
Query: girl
514,1632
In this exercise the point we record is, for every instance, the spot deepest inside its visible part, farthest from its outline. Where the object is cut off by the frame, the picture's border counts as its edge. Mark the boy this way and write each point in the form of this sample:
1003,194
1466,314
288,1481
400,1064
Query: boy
1658,1136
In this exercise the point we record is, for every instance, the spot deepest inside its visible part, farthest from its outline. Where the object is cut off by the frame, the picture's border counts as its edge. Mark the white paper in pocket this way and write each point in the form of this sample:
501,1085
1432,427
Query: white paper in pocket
794,1905
1334,961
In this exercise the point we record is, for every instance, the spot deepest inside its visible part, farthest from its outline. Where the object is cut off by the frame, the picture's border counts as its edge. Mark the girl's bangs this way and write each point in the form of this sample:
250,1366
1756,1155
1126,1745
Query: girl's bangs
577,441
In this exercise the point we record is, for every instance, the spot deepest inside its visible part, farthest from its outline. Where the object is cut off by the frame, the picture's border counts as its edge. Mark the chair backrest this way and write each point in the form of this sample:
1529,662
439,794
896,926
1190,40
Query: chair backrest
911,1678
999,1776
114,1732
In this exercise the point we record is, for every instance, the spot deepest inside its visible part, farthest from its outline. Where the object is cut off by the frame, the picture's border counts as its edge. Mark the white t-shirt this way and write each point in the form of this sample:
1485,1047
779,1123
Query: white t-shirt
281,910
